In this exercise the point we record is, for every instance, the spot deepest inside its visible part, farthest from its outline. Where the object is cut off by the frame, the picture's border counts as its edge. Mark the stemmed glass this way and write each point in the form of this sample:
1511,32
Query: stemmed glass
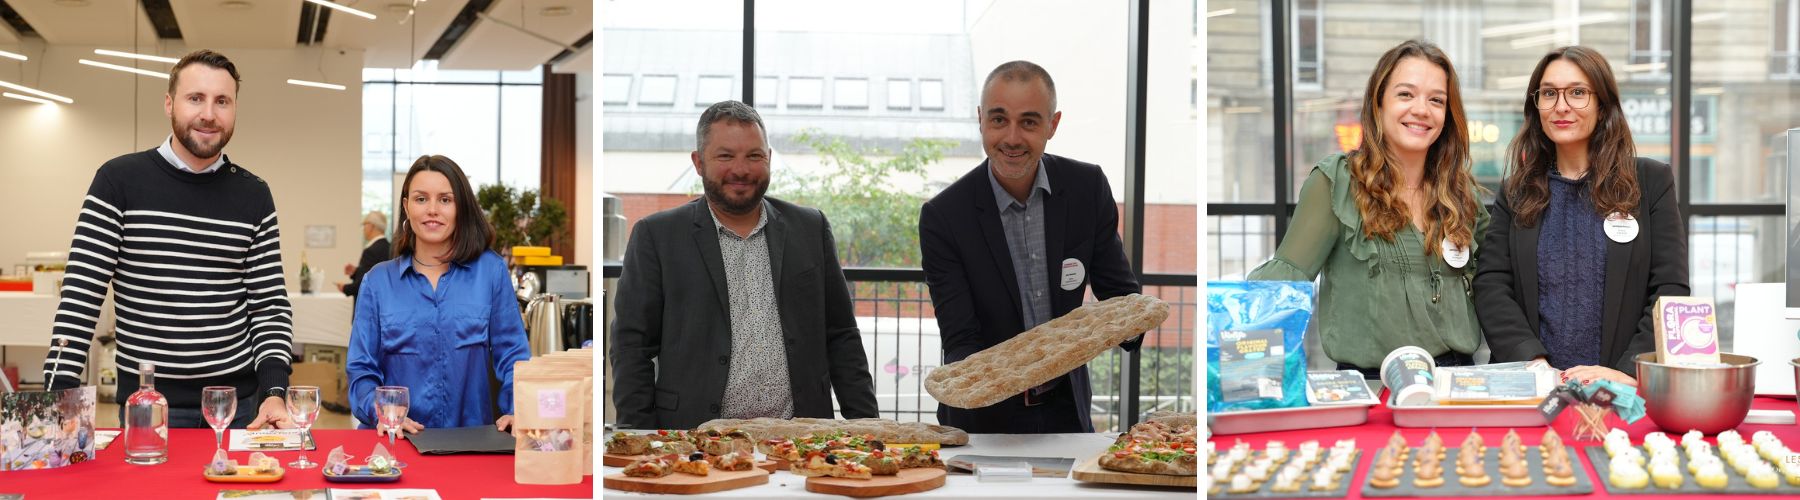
391,404
303,407
219,404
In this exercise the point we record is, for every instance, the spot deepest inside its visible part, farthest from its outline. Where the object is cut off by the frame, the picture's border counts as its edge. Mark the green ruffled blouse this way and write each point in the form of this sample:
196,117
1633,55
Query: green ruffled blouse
1377,295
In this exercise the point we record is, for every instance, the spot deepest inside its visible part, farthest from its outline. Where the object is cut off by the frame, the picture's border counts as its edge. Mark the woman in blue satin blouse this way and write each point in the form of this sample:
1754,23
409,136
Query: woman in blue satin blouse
431,318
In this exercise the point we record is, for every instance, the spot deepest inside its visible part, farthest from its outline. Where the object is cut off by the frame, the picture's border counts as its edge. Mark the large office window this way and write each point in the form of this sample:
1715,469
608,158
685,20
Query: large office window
1784,58
486,121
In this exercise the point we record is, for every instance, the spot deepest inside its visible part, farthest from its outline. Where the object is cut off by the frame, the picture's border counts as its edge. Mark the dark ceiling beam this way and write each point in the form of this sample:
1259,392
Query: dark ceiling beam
162,18
12,18
308,13
579,44
458,28
324,24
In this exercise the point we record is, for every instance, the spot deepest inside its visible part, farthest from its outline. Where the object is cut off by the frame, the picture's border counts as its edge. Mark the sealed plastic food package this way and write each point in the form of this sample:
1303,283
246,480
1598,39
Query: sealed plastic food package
1255,338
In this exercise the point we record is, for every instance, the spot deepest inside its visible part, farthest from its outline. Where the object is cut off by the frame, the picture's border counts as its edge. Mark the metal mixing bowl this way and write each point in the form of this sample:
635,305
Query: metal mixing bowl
1709,399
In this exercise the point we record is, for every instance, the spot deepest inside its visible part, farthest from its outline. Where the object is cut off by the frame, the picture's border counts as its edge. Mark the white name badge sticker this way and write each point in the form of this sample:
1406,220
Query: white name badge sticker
1454,255
1073,273
1621,228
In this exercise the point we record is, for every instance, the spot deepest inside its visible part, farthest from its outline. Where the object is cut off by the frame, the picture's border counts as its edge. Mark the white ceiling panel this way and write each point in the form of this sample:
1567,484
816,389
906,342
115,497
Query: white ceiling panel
393,39
490,45
88,22
242,24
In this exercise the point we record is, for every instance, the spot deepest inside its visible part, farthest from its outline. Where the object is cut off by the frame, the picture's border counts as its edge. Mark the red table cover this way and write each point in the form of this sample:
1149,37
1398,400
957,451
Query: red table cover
108,476
1375,433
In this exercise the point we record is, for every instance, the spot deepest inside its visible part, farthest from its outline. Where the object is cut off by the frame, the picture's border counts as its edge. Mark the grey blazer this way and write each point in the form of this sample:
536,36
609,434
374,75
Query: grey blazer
671,346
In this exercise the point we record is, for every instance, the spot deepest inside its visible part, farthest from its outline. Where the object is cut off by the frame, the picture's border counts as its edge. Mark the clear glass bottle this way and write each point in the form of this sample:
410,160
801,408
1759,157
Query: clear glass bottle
146,421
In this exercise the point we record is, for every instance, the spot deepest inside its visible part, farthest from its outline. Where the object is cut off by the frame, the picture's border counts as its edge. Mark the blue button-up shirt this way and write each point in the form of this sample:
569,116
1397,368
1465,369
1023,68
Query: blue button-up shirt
436,342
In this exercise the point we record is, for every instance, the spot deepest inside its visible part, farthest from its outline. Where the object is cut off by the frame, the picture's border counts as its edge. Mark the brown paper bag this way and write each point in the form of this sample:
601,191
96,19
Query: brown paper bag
569,367
547,417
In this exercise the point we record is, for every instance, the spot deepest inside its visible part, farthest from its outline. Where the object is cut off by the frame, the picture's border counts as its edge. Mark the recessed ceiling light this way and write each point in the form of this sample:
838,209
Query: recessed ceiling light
399,8
234,5
556,11
72,3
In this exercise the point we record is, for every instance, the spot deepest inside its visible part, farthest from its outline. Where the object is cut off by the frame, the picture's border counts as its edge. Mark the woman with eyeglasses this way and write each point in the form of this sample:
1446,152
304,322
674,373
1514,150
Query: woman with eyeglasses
1393,225
1586,235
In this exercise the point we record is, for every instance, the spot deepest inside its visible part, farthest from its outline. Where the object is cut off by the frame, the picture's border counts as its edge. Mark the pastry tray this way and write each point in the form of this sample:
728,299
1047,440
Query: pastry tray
1262,491
1468,416
1286,419
1452,487
1735,484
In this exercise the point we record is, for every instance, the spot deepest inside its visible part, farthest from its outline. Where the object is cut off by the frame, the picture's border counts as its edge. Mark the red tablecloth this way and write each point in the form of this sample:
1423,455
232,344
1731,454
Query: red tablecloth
108,476
1375,433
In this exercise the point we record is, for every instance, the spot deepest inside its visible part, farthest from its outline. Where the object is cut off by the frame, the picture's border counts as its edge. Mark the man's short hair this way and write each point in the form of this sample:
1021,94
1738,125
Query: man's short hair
727,110
1021,71
206,57
377,218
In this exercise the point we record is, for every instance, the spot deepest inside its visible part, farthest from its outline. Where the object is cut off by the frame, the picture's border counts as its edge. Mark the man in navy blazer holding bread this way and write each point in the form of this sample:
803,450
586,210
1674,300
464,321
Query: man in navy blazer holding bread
1016,242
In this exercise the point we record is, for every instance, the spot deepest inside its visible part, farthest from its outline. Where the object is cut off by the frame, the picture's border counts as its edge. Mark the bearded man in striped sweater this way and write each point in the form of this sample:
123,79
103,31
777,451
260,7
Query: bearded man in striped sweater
188,242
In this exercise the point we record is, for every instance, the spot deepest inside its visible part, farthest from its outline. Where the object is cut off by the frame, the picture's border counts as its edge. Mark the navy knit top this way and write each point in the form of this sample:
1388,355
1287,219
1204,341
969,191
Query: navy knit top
1571,266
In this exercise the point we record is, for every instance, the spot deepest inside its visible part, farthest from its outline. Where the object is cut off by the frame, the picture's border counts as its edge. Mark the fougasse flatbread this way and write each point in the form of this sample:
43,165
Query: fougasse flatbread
1048,351
885,430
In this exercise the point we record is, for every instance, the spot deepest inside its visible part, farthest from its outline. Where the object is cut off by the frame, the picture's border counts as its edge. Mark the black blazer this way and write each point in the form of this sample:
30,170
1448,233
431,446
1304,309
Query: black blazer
1652,265
671,347
376,253
976,293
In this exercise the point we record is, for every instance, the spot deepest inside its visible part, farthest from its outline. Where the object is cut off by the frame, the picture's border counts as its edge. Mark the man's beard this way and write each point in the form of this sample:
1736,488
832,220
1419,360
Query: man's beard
185,134
715,194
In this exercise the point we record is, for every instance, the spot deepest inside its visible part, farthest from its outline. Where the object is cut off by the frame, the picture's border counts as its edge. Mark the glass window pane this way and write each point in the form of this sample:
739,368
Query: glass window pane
378,157
1171,203
899,95
460,122
1741,112
657,90
616,89
645,159
849,93
521,136
1237,244
806,92
931,94
527,76
1726,251
712,89
768,88
1240,127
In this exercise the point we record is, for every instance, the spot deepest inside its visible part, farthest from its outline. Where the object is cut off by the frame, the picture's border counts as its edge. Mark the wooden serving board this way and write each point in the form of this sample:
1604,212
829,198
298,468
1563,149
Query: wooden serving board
687,484
611,460
1090,471
907,481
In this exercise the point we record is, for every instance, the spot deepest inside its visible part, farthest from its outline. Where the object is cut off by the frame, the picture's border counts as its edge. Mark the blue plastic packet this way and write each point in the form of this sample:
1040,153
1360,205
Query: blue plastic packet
1255,334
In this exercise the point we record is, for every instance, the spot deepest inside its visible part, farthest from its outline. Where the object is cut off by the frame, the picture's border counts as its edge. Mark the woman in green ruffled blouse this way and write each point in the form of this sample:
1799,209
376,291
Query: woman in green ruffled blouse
1394,224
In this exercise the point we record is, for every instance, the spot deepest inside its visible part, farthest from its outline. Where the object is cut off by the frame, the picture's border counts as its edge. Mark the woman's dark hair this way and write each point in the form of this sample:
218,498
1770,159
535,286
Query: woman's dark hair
471,236
1611,152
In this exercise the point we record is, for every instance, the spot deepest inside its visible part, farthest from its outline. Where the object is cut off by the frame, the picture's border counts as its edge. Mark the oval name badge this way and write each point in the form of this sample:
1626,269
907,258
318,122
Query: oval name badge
1621,227
1456,256
1073,273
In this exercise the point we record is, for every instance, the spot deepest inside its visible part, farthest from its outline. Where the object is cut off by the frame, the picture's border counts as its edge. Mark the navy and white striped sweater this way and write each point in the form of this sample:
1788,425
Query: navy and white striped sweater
194,261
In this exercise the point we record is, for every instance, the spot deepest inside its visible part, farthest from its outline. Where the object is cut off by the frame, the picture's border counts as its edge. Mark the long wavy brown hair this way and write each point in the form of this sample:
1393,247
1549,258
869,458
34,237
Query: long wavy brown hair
1612,170
1448,184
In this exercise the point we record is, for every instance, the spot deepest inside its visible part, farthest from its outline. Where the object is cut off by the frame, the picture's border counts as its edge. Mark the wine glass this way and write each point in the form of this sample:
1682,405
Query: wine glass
391,404
303,407
219,404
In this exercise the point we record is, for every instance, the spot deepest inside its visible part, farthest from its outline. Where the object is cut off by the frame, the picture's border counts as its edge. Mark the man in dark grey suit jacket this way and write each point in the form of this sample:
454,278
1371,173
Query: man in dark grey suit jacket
1017,242
734,305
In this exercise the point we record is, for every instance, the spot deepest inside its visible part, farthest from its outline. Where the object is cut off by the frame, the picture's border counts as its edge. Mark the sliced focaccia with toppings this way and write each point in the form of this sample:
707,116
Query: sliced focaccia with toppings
734,461
716,442
655,466
1151,457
